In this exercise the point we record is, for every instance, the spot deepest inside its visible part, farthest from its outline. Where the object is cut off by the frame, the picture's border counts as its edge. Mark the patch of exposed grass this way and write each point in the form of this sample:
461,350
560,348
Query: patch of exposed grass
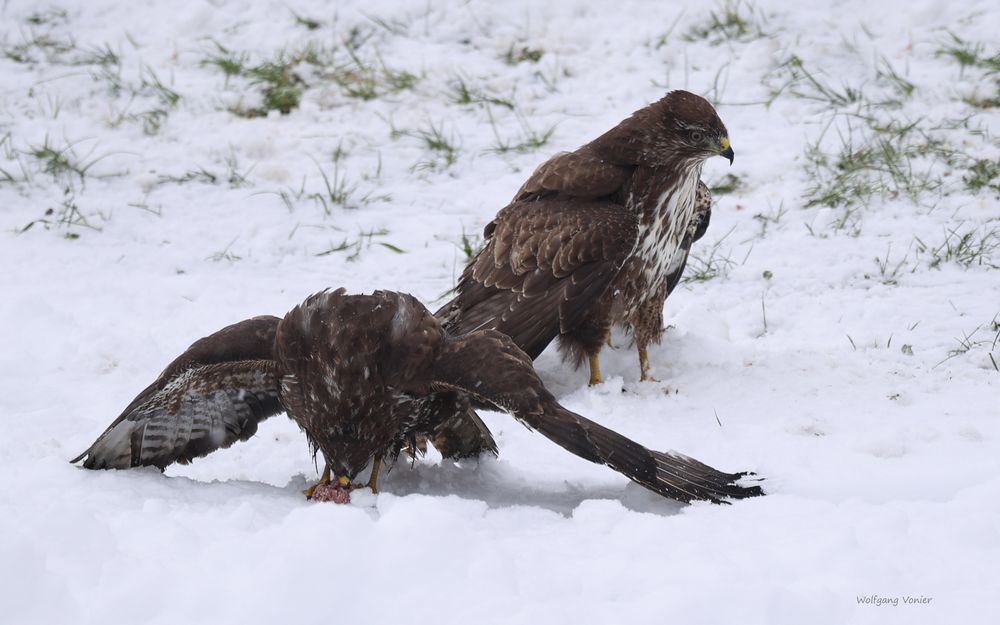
965,246
970,54
770,218
338,189
464,93
36,46
226,253
308,22
234,175
11,156
729,183
199,174
441,145
711,263
733,20
517,53
151,83
887,88
887,74
364,241
282,83
985,102
62,161
471,245
870,160
51,15
985,337
103,56
229,63
801,82
368,79
974,55
889,270
281,87
67,216
149,90
983,174
279,83
527,140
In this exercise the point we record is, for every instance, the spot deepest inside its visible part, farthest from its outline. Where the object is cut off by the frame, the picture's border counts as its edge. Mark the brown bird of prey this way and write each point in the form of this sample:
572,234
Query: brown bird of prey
362,375
597,236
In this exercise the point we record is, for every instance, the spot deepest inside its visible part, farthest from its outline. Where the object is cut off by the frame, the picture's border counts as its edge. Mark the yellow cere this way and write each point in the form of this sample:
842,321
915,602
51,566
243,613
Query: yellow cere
724,142
343,480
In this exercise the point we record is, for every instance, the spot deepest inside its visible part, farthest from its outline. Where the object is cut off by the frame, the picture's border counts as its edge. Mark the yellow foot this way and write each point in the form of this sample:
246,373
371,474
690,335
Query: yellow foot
337,491
323,481
373,480
644,374
595,370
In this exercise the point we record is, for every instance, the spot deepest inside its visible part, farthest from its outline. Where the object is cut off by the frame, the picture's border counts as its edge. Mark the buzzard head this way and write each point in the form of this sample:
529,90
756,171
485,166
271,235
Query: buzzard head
691,126
680,127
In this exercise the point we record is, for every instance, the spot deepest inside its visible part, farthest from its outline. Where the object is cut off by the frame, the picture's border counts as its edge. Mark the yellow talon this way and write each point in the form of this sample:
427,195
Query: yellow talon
323,480
644,368
595,370
373,480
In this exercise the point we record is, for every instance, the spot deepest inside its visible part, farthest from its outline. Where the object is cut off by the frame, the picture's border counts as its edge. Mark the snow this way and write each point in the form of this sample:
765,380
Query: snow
881,460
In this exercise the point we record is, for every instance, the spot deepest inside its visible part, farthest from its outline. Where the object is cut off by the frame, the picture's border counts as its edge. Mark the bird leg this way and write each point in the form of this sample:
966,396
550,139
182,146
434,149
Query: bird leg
323,481
644,375
373,479
595,370
339,490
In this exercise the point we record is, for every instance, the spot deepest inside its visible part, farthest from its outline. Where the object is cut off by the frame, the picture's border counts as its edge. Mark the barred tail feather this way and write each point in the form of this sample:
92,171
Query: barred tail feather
670,473
493,371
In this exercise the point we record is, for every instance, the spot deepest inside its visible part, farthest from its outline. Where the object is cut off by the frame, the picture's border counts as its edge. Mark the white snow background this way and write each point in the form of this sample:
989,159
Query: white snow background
845,347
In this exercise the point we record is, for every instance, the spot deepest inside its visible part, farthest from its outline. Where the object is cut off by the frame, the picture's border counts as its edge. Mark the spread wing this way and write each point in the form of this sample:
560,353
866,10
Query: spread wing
545,264
212,395
581,174
493,371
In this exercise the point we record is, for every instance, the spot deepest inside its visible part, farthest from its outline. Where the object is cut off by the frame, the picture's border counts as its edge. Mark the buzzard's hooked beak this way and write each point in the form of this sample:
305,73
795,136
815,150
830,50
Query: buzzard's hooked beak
343,480
727,150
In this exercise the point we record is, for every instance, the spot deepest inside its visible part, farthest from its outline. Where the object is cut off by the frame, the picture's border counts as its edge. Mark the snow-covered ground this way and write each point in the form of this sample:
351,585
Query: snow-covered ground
843,341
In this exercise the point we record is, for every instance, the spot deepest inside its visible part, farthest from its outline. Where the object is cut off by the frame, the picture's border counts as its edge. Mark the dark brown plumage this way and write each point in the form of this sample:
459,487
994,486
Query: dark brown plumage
209,397
362,375
596,236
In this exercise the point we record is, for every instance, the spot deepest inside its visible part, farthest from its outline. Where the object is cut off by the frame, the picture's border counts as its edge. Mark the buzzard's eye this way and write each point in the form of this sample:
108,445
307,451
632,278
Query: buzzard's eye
696,136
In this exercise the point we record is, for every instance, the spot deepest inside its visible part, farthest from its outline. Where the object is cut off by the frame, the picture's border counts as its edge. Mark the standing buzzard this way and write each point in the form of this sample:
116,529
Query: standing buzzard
362,375
596,236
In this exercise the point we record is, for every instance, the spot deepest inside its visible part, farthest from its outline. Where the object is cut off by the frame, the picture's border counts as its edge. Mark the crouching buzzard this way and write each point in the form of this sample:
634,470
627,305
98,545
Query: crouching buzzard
596,236
362,375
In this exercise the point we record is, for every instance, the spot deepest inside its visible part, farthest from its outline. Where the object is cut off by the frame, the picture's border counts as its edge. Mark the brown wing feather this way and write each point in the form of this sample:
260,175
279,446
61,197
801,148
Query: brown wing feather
702,211
202,409
493,371
250,340
581,174
245,340
545,263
